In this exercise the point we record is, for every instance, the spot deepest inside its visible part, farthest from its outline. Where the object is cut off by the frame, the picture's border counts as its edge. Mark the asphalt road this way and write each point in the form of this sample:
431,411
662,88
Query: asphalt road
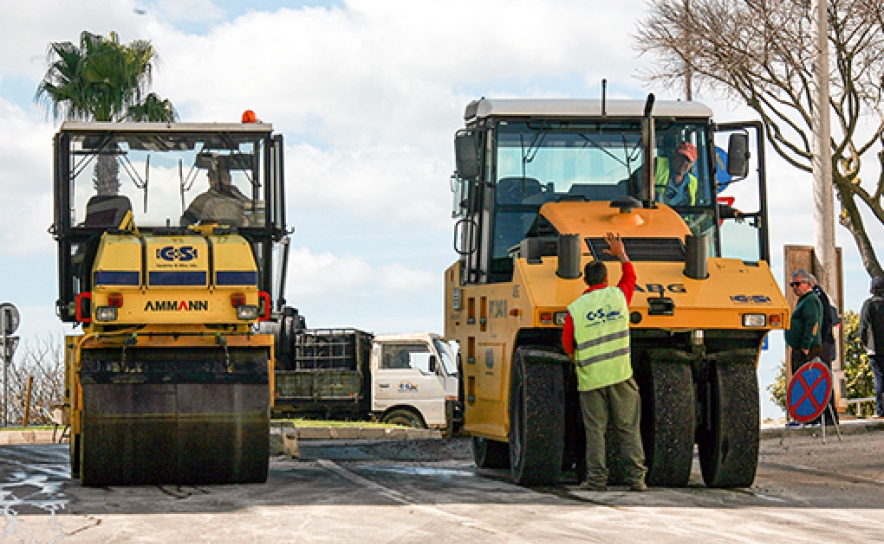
429,491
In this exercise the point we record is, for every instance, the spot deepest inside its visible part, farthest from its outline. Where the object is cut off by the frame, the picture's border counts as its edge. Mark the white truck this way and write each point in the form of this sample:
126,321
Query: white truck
408,379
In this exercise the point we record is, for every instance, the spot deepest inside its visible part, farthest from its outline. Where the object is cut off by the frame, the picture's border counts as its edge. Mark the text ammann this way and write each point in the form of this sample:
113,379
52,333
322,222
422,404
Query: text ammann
177,306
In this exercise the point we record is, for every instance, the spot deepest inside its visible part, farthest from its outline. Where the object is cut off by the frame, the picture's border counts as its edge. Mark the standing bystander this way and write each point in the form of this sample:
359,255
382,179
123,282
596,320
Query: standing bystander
871,332
827,333
596,336
804,335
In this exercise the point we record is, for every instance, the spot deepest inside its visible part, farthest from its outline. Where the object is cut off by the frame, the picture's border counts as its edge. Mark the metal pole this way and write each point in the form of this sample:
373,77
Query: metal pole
24,422
823,193
823,209
4,352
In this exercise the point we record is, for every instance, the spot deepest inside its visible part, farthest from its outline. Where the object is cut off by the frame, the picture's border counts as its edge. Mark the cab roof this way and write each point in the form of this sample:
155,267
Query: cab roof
159,128
579,108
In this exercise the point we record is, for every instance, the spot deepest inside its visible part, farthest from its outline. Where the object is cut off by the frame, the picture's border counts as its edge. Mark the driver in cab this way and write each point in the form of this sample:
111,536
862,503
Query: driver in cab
223,203
674,184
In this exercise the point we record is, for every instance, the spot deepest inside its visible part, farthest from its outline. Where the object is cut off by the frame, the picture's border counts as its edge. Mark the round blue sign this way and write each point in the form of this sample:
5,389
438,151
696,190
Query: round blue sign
809,391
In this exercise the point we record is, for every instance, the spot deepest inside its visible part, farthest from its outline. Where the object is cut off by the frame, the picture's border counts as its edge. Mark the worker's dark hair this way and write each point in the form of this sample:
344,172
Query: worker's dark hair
595,272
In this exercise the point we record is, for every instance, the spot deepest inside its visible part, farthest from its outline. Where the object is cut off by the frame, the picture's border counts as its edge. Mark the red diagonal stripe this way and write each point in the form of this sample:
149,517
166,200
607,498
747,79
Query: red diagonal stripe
808,391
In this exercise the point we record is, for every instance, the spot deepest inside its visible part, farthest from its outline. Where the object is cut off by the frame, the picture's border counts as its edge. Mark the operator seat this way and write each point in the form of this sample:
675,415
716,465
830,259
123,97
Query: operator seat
107,211
104,212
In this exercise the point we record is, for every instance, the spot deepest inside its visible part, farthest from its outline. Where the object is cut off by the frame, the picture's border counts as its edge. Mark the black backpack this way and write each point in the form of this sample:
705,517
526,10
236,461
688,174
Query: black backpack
830,316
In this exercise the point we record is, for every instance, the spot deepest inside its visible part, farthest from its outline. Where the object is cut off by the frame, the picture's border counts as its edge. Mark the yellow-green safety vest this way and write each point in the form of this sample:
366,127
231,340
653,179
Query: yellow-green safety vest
661,181
601,338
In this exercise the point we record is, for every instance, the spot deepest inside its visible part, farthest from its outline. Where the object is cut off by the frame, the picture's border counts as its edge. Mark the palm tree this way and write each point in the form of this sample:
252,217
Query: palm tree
102,80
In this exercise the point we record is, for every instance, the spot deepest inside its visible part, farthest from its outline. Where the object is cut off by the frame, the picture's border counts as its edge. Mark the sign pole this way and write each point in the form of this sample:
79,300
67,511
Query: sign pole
3,346
9,320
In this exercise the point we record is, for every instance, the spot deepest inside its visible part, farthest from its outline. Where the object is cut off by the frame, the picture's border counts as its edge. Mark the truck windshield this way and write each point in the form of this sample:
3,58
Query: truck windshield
446,354
167,179
539,162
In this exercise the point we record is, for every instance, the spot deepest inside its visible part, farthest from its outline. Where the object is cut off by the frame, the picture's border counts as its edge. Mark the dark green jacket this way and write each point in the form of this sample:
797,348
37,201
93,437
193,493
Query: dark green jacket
804,331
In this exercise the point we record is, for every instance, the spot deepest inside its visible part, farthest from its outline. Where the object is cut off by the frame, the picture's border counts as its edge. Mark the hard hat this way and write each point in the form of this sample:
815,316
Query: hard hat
688,150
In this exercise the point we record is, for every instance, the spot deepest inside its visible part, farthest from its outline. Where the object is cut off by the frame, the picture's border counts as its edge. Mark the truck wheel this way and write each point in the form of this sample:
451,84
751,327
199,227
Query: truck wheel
490,453
405,418
668,423
75,456
728,441
537,416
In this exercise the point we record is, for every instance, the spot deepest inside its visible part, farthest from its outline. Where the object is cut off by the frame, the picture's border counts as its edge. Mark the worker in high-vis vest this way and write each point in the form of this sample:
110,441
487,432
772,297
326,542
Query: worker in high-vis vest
674,184
596,336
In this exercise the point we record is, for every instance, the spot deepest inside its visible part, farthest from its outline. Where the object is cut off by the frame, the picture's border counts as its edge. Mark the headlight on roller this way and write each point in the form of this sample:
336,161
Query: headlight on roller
247,312
559,318
754,320
105,313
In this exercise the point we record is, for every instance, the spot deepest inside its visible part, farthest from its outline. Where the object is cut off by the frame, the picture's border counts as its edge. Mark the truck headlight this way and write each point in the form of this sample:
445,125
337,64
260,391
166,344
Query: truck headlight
247,312
105,313
754,320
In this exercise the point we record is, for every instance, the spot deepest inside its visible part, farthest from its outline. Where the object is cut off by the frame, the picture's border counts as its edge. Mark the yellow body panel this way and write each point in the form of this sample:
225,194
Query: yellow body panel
486,319
184,280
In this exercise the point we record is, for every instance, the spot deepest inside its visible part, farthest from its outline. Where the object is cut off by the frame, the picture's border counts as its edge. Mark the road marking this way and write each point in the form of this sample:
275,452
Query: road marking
402,498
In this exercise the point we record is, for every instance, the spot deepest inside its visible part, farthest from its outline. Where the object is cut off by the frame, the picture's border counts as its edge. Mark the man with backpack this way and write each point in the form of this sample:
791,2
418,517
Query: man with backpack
827,326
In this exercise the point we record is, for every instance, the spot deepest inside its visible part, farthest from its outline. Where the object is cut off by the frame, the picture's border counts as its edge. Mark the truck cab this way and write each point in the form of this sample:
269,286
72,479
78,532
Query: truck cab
414,380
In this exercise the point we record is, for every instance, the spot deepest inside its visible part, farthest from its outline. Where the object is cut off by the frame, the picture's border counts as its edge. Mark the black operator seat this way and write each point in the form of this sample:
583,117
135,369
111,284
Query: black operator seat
517,190
107,211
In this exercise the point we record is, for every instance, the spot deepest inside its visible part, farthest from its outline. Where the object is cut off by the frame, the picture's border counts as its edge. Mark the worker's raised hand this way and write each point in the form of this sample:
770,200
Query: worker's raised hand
615,245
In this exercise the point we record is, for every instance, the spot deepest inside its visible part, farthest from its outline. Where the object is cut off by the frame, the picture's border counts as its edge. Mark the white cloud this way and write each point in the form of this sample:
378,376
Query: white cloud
25,182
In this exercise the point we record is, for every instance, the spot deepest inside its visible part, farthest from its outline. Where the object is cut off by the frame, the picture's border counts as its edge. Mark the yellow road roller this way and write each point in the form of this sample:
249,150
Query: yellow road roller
171,247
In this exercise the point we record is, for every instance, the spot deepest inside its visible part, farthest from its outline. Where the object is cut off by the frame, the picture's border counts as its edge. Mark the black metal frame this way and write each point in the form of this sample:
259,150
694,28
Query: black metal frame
68,236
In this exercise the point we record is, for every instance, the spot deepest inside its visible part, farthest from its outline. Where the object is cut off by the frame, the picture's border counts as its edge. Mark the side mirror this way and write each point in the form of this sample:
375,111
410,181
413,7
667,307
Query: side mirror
466,154
432,364
738,155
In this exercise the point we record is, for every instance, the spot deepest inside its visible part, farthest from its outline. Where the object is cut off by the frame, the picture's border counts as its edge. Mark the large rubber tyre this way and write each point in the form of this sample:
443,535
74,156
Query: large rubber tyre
537,416
728,440
75,456
490,453
405,418
668,423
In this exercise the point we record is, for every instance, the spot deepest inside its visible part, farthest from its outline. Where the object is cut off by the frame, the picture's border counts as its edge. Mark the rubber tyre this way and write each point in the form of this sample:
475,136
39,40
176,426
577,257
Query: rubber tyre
405,418
668,423
537,416
490,453
728,441
75,456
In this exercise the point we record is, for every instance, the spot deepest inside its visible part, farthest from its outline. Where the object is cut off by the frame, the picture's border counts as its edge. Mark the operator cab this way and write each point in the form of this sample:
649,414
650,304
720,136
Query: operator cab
514,156
141,178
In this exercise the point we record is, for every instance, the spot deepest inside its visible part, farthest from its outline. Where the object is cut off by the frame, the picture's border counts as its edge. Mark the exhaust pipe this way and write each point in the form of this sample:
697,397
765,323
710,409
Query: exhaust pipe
696,257
569,256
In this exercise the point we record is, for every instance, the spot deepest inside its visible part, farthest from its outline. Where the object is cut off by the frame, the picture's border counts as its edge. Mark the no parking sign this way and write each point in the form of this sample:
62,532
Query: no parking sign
809,391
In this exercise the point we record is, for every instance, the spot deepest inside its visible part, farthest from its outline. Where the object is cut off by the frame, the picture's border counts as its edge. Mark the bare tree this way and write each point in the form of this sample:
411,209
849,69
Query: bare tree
43,360
761,52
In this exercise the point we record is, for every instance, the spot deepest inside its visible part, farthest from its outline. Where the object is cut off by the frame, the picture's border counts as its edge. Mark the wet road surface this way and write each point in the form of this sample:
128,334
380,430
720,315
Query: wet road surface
429,491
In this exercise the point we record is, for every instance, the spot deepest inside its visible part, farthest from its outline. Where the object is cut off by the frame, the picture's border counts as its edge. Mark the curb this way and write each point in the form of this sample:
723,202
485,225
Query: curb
29,437
284,437
847,426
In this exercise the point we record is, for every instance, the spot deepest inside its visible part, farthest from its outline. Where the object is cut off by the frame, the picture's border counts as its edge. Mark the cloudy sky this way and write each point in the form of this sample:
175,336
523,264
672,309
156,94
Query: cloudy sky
368,94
